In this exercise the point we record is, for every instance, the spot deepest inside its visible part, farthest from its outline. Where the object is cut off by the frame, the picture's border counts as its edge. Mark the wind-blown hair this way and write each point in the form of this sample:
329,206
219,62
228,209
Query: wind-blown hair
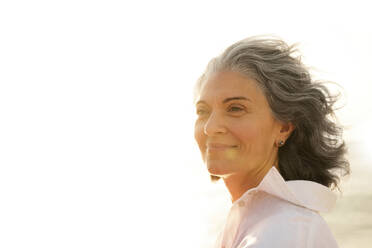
315,150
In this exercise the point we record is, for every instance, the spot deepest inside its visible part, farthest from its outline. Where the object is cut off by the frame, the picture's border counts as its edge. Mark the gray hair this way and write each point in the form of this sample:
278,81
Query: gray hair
315,151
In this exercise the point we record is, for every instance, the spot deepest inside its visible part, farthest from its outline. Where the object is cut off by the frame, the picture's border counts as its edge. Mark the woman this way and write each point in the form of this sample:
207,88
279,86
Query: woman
263,127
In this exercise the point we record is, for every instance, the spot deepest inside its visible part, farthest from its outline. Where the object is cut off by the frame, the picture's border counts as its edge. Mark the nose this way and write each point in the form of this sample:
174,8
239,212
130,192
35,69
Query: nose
214,125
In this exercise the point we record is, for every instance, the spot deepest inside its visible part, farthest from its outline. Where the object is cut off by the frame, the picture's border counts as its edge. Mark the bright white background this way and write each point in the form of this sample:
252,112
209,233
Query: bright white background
96,114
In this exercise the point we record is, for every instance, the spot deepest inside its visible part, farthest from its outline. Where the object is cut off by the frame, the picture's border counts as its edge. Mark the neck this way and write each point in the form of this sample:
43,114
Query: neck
238,184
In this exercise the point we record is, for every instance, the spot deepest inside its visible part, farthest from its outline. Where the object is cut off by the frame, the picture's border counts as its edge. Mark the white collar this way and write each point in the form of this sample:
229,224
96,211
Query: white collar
304,193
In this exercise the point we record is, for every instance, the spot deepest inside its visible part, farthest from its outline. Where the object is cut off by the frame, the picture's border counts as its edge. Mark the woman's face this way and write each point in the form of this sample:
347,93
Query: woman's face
235,129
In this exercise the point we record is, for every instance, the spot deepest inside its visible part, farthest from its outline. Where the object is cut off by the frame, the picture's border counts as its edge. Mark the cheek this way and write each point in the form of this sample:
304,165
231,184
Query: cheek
199,135
245,133
251,137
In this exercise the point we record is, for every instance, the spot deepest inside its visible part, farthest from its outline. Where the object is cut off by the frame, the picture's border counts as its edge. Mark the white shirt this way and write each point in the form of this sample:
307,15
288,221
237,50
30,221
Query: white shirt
279,213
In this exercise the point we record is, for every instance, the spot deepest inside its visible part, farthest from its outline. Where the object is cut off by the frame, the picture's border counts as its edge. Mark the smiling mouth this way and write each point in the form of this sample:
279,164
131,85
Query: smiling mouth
219,147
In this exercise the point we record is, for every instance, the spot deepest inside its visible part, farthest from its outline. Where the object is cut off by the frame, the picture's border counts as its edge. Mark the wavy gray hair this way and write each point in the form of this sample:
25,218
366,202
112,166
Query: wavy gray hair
315,151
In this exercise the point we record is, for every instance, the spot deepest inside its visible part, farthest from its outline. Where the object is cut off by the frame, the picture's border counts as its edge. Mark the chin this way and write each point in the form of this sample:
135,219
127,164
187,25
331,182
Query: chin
218,168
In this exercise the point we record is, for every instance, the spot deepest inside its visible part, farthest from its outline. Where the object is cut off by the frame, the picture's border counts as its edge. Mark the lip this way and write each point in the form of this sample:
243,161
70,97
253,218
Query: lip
219,146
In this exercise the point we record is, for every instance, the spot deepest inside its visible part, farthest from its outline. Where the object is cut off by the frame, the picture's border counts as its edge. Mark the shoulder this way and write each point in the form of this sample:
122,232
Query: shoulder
282,224
320,235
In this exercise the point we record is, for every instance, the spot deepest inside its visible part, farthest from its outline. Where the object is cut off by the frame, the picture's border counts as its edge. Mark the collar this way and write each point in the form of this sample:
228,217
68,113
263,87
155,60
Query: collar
303,193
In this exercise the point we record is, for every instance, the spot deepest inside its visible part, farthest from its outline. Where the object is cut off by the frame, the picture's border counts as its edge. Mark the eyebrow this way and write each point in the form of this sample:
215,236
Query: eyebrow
229,99
236,98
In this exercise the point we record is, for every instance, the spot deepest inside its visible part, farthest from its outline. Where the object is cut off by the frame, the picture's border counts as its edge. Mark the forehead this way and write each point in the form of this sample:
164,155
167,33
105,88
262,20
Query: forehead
226,84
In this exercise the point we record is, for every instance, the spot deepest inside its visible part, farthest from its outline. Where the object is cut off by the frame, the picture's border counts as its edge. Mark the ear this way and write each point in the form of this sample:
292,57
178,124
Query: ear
286,130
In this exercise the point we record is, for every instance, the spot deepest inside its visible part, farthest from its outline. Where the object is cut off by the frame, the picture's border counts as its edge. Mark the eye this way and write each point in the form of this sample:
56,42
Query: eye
235,109
201,111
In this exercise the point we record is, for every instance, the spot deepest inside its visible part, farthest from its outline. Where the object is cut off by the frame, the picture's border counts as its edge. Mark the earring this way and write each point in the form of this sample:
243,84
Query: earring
280,143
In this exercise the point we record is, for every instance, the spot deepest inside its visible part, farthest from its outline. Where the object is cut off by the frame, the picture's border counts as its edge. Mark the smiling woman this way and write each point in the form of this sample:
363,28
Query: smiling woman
263,127
232,103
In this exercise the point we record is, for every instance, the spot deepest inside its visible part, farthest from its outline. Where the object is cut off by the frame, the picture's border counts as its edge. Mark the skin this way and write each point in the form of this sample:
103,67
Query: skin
236,131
